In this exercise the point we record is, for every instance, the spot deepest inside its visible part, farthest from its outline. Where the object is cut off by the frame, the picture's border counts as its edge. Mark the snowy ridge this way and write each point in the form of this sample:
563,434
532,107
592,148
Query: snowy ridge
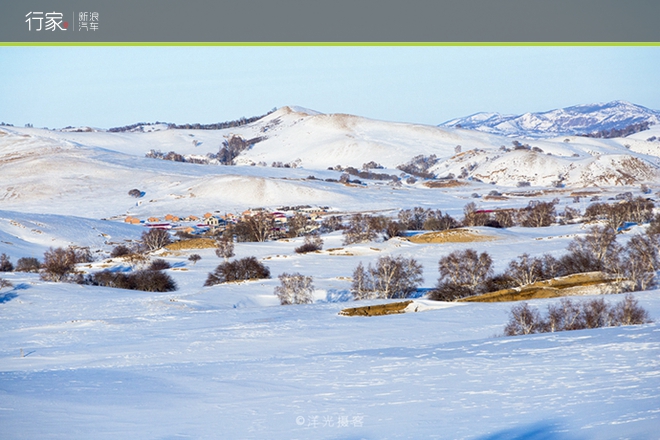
579,119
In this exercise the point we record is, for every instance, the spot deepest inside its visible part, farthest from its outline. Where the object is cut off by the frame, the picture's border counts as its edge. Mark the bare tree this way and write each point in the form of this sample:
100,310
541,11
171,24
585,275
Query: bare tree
466,268
225,247
525,270
154,239
591,252
298,225
523,320
390,277
58,264
473,217
362,286
361,228
257,227
295,289
538,214
629,312
194,258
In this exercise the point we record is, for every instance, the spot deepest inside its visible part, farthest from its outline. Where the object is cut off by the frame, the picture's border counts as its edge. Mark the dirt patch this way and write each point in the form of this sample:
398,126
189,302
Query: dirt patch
591,283
377,310
451,183
451,236
193,243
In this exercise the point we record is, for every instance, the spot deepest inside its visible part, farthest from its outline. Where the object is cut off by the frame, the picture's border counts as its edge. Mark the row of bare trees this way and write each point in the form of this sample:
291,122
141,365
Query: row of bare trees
632,265
569,315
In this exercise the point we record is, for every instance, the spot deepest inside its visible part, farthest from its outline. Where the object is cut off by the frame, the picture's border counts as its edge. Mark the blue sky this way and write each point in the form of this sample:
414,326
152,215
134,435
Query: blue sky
112,86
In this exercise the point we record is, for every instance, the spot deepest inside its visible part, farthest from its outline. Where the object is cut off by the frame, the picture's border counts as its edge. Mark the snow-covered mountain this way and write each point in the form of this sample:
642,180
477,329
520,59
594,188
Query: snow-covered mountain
579,119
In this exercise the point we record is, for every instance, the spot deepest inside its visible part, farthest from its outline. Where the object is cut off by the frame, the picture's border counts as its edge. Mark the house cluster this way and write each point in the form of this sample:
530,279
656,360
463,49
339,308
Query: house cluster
214,222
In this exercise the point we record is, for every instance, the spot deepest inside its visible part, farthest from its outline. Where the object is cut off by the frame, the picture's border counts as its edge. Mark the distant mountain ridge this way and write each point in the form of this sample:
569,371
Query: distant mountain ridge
575,120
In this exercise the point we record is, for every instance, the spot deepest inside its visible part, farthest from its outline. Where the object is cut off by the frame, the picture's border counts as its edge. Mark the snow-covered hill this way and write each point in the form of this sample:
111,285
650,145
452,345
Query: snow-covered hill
50,171
579,119
227,361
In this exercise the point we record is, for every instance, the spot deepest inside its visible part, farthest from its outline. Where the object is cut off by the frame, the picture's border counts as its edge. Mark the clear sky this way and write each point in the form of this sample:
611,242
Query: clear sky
112,86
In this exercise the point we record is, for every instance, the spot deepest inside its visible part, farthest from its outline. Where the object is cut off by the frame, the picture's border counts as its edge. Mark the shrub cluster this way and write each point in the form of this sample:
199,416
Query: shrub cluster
146,280
632,266
569,315
312,243
248,268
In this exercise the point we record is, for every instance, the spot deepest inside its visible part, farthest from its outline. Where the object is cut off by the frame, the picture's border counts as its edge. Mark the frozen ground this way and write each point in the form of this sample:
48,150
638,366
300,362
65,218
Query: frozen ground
80,362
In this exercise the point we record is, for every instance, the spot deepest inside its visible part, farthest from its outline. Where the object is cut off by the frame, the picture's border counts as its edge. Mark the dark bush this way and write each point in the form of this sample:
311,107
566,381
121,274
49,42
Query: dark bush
312,243
194,258
59,264
248,268
145,280
120,251
28,264
5,264
159,264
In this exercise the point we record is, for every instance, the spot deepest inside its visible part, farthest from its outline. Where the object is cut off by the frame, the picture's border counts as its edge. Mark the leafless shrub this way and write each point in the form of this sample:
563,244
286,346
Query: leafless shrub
331,223
28,264
311,243
194,258
390,277
5,283
159,264
295,289
59,264
5,264
120,251
248,268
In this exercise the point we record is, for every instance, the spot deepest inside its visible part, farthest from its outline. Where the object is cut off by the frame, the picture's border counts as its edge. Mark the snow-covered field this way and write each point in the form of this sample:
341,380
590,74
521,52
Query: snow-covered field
229,362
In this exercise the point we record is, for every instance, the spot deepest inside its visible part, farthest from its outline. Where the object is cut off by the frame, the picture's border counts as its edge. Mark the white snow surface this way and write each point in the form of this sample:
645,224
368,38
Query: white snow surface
80,362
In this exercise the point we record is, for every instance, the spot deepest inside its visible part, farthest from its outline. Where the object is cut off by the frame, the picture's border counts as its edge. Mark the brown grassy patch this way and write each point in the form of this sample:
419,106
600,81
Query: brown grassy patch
577,284
377,310
450,236
193,243
451,183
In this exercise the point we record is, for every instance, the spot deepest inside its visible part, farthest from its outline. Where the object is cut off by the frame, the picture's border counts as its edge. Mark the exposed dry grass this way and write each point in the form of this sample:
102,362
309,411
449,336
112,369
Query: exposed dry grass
451,183
577,284
377,310
193,243
450,236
